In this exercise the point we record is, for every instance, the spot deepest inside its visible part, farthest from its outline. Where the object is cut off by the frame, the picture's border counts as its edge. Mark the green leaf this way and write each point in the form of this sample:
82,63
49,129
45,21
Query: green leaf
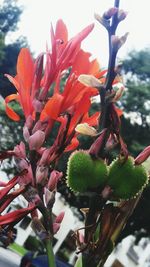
78,262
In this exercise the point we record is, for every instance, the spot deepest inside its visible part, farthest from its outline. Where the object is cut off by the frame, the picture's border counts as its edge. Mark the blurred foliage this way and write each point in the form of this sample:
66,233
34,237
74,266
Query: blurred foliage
10,14
137,134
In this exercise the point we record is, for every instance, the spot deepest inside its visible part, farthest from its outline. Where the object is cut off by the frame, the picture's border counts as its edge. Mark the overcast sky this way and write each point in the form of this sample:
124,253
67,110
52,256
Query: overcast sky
38,14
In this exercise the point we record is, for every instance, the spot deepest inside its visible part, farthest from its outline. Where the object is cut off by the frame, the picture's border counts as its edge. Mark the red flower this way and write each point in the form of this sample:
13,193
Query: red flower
29,82
15,216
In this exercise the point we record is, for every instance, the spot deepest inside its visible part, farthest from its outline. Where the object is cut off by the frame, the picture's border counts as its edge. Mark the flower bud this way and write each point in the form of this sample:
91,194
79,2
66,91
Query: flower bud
41,175
102,21
122,15
38,106
96,147
117,42
144,155
36,140
29,122
110,13
26,133
56,227
57,222
20,151
53,180
49,198
44,157
21,164
60,217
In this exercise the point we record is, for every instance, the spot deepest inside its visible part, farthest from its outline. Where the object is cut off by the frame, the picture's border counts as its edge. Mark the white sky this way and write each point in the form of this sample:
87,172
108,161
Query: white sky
38,15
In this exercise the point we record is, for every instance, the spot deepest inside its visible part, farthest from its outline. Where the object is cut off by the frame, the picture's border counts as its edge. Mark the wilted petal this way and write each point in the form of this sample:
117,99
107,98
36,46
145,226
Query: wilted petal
89,80
86,129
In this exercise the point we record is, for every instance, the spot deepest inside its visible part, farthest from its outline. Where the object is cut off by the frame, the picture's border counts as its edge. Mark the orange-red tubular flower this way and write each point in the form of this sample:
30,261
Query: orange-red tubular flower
68,100
26,82
29,81
62,54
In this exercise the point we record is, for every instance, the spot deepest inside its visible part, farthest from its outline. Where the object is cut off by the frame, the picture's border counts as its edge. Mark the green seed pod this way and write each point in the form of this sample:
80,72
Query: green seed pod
126,179
79,171
99,175
84,173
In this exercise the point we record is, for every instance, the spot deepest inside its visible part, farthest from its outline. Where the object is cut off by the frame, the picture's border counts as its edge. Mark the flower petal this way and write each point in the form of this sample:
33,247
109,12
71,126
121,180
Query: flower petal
73,145
9,111
53,106
61,32
15,216
25,68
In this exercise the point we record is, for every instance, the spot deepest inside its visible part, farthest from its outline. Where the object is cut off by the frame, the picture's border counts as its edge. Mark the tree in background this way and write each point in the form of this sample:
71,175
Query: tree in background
137,69
9,17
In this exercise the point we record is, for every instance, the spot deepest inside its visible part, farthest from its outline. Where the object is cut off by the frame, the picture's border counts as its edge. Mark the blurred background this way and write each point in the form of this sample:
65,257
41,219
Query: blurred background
26,23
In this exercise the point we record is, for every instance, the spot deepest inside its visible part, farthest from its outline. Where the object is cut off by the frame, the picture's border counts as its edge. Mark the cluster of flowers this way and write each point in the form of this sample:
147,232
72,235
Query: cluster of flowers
58,87
45,101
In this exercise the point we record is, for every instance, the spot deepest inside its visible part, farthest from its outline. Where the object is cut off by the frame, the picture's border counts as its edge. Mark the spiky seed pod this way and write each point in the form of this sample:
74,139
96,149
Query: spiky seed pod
79,171
84,173
126,179
99,175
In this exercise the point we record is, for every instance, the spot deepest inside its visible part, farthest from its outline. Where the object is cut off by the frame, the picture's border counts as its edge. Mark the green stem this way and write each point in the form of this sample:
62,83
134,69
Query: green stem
50,254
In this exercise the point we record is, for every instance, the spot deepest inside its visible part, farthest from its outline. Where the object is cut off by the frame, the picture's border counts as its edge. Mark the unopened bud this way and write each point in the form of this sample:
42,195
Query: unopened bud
89,80
144,155
21,164
26,133
49,198
110,13
123,39
57,222
117,42
36,140
20,150
122,15
102,21
38,106
44,157
53,180
29,122
37,126
96,147
56,227
60,217
41,174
